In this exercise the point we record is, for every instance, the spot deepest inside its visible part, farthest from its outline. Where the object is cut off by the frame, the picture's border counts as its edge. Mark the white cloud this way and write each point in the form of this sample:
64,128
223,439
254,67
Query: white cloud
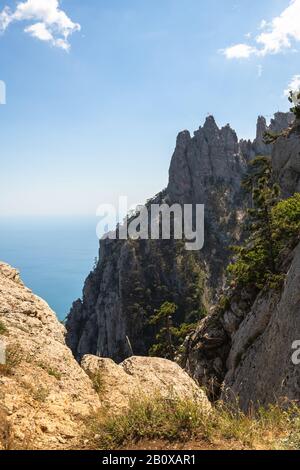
48,22
294,85
277,35
39,30
239,51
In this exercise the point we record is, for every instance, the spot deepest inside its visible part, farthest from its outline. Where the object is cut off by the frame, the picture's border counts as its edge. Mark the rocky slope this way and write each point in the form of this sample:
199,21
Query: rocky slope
133,278
244,350
47,401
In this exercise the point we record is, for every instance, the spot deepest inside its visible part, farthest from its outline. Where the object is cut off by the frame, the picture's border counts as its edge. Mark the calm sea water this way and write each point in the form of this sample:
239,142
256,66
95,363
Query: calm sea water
54,255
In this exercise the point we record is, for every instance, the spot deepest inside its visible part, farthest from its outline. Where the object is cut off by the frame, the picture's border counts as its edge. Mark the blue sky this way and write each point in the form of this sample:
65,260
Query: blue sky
93,110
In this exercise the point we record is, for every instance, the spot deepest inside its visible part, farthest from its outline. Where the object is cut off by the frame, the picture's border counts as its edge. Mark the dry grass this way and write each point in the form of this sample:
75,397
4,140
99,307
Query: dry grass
14,357
178,421
50,370
97,381
3,329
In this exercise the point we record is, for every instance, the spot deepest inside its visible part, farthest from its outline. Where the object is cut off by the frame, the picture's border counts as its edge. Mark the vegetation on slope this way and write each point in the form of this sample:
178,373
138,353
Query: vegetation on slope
182,421
273,226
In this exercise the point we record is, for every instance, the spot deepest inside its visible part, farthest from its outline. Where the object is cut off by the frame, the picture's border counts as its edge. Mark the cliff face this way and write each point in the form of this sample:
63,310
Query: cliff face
245,351
133,278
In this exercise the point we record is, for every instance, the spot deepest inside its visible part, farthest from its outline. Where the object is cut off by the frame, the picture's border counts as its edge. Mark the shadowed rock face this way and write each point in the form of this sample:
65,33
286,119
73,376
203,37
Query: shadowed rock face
133,278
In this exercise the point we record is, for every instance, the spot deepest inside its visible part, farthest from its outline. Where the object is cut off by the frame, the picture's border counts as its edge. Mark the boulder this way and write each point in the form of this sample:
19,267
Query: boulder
141,376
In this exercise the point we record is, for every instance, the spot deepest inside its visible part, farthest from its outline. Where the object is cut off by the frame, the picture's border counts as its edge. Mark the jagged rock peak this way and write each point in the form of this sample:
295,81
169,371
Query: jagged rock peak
212,155
280,122
210,126
183,139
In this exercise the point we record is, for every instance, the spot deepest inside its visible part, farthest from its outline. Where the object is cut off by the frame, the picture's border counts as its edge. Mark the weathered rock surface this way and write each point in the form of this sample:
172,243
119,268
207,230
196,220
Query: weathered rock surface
44,394
139,377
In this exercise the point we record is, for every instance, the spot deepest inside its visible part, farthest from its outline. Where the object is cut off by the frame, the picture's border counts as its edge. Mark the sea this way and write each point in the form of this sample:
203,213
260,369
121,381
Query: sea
53,254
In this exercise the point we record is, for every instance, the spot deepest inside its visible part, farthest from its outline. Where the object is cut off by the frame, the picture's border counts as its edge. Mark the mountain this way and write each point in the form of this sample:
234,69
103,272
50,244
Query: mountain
133,278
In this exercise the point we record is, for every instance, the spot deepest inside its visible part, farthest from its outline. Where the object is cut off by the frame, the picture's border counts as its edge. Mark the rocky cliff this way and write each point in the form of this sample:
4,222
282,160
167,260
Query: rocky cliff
133,278
243,349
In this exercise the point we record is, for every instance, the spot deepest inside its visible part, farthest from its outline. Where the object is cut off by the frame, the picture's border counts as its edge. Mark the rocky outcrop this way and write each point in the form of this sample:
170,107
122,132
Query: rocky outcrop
45,396
139,377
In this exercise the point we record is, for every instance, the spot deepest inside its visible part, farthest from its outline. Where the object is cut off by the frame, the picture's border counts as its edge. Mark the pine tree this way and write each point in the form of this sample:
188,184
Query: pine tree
163,318
257,258
294,98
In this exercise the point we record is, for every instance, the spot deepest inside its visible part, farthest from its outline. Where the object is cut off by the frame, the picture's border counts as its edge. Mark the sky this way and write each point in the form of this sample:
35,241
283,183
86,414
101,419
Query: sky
97,91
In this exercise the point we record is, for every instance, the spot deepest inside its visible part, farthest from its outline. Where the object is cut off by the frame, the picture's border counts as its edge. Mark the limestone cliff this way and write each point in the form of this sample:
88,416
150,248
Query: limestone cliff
133,278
